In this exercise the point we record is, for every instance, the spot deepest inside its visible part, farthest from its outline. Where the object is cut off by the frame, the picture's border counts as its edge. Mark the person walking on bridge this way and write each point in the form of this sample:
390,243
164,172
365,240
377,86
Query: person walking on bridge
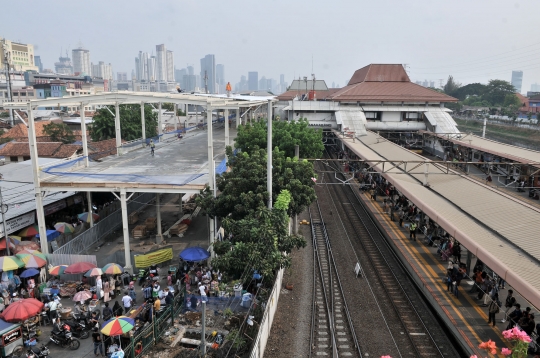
152,147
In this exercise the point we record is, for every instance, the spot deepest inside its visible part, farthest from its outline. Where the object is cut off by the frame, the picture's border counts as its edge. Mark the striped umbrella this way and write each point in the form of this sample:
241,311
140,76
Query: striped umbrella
94,272
57,270
13,240
29,231
33,252
113,269
117,326
64,228
9,263
32,261
86,218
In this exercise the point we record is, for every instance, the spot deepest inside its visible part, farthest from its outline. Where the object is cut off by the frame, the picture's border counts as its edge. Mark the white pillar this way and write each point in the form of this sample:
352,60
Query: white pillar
175,117
89,200
226,115
143,125
37,188
269,156
160,128
117,128
237,117
211,169
180,204
84,139
159,236
125,229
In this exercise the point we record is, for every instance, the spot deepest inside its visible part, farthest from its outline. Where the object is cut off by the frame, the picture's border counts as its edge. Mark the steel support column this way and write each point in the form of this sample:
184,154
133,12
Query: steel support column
125,230
226,115
269,155
84,139
143,125
35,173
211,170
160,127
117,128
159,236
89,203
237,118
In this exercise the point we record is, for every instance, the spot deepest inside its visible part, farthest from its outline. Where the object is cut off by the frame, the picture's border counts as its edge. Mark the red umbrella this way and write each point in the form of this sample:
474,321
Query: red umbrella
22,310
79,267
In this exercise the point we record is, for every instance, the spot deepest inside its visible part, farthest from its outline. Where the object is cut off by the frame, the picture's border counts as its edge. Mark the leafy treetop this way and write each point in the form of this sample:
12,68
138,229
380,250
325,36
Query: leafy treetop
130,123
59,132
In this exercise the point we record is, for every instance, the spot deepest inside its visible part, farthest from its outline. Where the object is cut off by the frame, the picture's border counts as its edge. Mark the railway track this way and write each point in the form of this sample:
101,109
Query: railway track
332,331
405,320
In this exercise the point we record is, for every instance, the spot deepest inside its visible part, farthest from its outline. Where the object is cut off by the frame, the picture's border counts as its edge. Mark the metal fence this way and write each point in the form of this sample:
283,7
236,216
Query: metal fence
61,259
104,227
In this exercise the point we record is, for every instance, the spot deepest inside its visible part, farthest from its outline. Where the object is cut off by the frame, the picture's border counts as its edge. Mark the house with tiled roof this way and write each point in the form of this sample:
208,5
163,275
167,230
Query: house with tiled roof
378,97
20,151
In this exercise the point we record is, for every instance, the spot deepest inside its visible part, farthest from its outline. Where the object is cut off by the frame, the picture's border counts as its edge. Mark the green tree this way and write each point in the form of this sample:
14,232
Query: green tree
59,132
497,90
472,89
511,100
243,188
285,135
451,86
259,241
130,123
529,117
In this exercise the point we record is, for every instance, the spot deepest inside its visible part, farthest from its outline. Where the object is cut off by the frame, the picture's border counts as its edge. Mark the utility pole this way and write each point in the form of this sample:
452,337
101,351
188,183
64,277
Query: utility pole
3,209
203,329
8,80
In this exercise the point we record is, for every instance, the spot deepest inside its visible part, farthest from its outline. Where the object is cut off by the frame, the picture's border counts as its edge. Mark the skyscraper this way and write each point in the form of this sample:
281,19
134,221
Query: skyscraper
137,68
253,81
170,66
517,80
37,61
121,76
81,61
143,66
152,68
220,78
161,63
208,67
63,66
102,70
179,77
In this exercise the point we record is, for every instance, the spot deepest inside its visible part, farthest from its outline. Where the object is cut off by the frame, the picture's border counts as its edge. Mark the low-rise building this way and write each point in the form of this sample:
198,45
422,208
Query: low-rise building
14,152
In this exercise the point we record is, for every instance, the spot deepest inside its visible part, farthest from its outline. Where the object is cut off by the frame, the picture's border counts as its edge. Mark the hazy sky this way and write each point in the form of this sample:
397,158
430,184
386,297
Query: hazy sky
471,40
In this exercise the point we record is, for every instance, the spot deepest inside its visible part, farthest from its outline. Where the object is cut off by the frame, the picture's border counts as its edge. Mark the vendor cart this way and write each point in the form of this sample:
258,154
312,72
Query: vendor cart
11,339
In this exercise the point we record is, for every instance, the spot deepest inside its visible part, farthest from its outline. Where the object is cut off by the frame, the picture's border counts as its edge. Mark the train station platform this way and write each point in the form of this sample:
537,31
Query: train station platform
464,314
498,229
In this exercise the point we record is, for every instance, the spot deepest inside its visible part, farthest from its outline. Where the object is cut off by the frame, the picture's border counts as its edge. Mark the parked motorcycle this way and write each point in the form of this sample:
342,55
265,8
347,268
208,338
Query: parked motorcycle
65,339
78,329
35,352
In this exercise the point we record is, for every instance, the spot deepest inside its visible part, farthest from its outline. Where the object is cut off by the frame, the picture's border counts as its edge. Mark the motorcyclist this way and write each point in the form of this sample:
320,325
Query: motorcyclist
58,329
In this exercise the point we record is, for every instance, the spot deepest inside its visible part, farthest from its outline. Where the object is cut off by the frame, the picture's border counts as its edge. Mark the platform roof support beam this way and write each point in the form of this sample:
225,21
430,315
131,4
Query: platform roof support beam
89,208
84,139
226,115
35,172
117,128
237,118
269,155
176,117
125,230
143,125
160,124
159,236
211,171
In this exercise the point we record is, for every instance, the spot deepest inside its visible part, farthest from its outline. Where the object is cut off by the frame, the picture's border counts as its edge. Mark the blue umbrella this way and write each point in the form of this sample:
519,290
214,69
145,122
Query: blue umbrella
29,273
194,254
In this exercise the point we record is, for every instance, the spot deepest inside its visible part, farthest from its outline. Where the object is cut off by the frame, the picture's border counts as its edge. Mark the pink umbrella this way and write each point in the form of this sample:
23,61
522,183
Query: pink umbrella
79,267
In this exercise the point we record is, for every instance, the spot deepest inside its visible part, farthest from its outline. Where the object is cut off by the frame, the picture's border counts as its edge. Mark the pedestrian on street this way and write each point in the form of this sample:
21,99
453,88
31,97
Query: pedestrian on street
99,287
127,301
152,147
98,344
508,304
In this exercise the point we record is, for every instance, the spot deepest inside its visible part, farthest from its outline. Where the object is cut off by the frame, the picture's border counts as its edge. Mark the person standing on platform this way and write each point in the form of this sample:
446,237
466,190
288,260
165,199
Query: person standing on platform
508,304
99,287
412,231
514,316
493,309
401,215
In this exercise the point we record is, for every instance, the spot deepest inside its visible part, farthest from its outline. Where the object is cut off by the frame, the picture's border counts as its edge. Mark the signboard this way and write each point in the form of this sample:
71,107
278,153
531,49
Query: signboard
54,207
153,258
18,223
12,336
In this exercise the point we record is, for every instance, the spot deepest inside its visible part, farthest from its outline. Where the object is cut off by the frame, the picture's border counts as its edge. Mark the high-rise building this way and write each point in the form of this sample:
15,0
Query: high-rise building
21,56
81,61
535,87
161,63
179,77
220,78
38,63
253,81
190,70
152,68
121,76
102,70
137,68
63,66
189,82
170,66
517,80
208,69
143,66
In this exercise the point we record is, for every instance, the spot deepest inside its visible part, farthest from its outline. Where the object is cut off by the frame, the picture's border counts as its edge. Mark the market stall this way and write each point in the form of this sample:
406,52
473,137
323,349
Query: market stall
11,338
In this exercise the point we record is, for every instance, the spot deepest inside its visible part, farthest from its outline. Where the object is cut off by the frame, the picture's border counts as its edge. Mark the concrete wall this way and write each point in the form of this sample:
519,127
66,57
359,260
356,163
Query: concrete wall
391,116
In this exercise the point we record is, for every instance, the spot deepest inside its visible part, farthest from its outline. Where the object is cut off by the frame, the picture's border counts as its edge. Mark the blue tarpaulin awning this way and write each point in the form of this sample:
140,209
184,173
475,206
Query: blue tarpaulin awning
51,235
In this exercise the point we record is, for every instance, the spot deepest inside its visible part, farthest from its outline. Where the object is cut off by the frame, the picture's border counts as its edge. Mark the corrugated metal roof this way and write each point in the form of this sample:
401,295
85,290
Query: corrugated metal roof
442,121
403,109
522,155
500,230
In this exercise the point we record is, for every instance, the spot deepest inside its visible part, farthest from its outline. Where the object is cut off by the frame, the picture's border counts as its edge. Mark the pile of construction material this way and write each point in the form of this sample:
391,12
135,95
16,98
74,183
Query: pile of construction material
139,232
